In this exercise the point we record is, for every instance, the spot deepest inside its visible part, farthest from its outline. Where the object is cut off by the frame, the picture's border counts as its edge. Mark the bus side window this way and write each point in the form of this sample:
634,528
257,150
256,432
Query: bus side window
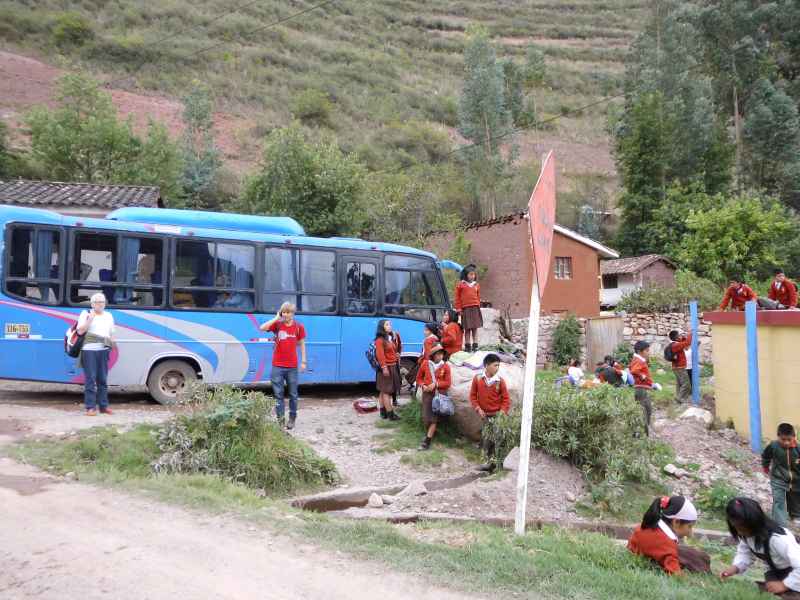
34,264
360,287
412,288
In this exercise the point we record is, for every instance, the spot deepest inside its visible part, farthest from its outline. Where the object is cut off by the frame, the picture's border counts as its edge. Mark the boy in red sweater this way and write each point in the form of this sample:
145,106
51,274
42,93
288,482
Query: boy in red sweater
737,295
489,396
678,344
642,380
783,290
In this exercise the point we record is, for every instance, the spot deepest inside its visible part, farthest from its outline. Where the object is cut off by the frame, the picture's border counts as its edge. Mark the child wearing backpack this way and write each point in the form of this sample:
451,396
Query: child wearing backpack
433,376
658,537
489,396
781,461
468,304
760,537
675,353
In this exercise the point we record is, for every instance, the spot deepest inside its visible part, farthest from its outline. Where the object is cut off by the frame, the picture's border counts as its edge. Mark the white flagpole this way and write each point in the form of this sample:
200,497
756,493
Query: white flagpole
527,409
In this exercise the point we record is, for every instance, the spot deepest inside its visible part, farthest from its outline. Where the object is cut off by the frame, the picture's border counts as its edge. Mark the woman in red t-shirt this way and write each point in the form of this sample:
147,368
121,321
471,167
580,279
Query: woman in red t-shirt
288,335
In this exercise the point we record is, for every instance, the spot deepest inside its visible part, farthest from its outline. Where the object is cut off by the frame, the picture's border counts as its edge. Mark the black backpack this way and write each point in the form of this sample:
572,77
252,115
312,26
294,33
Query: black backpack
669,355
73,341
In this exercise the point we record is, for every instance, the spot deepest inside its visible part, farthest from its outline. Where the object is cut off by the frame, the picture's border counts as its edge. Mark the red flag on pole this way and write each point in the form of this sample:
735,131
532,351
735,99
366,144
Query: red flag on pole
542,217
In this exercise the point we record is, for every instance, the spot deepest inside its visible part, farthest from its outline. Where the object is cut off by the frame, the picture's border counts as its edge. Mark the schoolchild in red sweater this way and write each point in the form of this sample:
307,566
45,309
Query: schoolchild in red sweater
783,290
387,379
737,295
489,397
452,334
679,344
433,376
430,338
468,305
642,381
664,524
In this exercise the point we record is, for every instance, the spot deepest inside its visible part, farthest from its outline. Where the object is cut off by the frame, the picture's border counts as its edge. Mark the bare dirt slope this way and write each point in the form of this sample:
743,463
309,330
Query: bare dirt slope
65,541
26,82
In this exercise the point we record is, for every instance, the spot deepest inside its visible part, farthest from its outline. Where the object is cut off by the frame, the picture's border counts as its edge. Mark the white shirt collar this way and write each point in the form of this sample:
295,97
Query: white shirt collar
667,530
641,358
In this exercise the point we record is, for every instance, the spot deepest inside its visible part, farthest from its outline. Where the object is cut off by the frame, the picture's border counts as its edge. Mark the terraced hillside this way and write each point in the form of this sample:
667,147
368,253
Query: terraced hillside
381,63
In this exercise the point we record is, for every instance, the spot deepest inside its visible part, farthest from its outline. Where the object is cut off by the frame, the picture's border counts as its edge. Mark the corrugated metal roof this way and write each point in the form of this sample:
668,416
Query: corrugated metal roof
86,195
632,264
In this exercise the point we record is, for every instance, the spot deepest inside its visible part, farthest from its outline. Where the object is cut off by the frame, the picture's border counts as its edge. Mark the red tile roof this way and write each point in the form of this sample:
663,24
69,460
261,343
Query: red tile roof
633,264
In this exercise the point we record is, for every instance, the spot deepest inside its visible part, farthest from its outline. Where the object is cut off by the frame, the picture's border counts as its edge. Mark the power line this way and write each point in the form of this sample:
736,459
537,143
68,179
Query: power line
160,41
248,33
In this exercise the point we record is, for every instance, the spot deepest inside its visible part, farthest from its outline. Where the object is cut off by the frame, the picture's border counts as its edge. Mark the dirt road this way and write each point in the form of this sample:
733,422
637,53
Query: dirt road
66,540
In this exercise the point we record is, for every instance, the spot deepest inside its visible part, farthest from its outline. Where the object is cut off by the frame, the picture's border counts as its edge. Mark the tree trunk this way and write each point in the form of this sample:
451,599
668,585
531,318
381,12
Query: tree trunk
489,161
737,124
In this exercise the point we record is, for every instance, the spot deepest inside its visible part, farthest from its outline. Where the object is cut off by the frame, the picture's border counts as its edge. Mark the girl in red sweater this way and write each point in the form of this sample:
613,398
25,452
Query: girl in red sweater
664,524
452,334
387,379
433,376
468,305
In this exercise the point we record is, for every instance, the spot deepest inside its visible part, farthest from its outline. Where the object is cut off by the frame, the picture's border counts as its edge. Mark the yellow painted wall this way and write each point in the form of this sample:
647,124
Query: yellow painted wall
779,376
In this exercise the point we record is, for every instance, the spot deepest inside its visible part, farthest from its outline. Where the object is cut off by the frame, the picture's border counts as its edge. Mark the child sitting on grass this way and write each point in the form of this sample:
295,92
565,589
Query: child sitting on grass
761,537
664,524
781,461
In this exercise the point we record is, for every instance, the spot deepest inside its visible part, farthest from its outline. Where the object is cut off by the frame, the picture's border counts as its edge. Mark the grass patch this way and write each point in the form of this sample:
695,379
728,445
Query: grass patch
408,432
553,564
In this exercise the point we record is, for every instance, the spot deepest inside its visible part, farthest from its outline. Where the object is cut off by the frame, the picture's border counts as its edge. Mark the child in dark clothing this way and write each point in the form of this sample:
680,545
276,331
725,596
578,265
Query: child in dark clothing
761,537
781,461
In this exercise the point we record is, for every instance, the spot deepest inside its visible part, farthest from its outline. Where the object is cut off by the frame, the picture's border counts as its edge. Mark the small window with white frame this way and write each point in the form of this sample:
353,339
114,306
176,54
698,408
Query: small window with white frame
563,267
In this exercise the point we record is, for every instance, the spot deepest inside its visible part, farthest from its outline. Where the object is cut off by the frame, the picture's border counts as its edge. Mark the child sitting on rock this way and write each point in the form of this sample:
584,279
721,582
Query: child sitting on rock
663,525
489,396
781,461
762,538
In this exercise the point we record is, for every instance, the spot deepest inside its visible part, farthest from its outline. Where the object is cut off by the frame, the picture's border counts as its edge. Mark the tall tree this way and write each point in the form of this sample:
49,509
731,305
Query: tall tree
83,140
313,182
485,121
201,159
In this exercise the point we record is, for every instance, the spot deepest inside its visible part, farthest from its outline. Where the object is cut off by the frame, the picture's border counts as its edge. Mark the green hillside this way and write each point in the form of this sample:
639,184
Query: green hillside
391,69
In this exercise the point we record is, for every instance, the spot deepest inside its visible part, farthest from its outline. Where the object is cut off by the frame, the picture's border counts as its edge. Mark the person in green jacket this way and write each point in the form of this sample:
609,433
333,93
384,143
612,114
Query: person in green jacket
781,461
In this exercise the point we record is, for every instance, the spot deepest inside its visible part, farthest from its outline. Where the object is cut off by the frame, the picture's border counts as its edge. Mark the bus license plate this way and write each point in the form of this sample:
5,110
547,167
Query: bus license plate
18,329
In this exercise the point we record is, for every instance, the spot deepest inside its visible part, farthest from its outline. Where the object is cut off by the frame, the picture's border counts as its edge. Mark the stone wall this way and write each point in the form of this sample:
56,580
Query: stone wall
653,328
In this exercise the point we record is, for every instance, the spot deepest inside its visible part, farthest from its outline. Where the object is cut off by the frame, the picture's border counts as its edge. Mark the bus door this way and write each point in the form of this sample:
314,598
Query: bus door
360,282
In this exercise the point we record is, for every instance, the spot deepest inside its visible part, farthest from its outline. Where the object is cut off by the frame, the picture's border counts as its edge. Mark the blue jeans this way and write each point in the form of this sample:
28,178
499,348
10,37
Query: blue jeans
281,377
95,369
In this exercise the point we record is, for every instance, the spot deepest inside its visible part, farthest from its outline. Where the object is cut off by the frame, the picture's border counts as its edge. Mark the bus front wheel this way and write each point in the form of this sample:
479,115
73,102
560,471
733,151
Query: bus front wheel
169,379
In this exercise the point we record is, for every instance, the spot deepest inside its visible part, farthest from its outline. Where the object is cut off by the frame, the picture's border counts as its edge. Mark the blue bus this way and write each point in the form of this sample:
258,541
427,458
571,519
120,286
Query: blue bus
189,289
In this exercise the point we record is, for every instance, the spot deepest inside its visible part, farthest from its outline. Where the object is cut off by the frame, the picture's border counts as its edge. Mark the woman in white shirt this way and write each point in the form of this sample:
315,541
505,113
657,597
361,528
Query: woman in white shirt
98,325
762,538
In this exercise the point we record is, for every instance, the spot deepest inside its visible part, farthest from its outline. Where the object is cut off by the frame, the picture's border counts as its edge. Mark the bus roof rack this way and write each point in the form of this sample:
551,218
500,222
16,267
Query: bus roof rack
206,219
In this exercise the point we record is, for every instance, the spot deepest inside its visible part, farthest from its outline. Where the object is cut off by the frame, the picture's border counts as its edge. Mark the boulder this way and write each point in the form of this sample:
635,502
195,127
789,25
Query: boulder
511,462
466,419
489,334
698,414
676,472
375,501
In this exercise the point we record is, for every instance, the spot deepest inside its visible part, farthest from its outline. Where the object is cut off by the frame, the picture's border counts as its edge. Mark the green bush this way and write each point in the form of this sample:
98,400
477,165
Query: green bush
312,107
624,353
715,498
662,299
599,430
231,433
71,29
567,340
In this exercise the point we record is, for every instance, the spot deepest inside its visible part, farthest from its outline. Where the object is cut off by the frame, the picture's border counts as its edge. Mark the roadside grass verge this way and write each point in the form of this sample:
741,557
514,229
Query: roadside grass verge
550,563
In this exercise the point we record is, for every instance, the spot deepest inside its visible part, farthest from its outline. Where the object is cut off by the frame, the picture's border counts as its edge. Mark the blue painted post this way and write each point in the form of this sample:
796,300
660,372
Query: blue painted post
752,375
695,366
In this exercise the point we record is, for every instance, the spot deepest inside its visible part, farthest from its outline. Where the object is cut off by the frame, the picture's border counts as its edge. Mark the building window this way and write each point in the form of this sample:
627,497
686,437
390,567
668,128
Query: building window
610,282
563,267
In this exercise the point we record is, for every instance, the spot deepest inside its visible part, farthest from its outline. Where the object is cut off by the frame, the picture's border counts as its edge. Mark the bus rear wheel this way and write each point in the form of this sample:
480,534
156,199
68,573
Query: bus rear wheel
169,379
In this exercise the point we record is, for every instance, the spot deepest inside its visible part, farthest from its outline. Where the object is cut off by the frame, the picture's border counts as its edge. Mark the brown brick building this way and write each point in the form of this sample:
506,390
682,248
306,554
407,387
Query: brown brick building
502,245
625,275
